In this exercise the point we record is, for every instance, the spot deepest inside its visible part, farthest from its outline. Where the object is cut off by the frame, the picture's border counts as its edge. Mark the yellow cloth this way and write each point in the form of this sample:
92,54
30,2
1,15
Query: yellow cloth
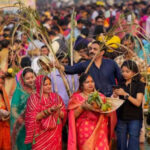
4,59
112,42
100,3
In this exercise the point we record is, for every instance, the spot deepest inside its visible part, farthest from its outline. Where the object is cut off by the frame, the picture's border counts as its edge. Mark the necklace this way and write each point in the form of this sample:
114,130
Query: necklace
85,95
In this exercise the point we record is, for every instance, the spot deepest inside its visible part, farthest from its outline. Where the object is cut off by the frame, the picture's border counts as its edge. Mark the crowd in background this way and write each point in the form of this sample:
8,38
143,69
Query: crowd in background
31,81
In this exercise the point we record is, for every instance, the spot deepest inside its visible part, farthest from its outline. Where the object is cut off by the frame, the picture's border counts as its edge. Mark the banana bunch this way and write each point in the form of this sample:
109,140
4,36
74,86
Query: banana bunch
96,101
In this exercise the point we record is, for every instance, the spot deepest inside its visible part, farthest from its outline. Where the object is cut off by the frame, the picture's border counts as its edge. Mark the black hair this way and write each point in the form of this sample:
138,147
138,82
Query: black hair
5,35
16,61
55,18
5,43
81,46
146,10
82,79
63,22
80,21
6,29
100,43
143,3
17,41
88,24
97,42
85,32
26,70
128,37
51,33
25,62
45,78
131,65
44,46
98,30
55,28
60,56
100,16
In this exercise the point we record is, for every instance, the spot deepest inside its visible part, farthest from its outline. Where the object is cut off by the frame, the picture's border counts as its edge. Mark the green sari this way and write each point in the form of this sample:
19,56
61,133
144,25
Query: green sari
18,106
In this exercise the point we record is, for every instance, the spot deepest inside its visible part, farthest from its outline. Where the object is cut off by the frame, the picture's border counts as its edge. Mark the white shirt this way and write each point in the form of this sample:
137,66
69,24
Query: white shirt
55,44
34,65
94,14
37,44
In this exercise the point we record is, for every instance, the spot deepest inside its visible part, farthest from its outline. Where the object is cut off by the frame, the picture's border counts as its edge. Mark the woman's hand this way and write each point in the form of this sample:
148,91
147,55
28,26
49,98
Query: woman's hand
55,108
57,65
6,118
20,120
86,106
120,92
114,95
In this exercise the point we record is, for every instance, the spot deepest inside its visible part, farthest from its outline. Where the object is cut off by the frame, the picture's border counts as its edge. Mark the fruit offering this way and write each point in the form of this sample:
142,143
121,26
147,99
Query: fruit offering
96,101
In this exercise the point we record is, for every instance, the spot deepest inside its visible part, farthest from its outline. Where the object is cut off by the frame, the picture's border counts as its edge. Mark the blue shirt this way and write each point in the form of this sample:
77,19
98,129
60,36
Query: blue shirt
104,77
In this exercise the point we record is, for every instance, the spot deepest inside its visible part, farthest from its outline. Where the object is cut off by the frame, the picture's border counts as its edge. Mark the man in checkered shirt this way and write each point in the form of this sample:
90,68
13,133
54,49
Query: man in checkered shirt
128,41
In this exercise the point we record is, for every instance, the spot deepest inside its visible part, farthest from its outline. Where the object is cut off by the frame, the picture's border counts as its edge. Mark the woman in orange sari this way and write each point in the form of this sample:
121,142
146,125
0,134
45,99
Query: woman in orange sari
5,143
88,128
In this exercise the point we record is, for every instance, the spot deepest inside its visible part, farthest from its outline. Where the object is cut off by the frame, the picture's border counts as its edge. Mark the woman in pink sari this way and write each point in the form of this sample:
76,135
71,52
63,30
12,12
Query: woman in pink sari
88,129
45,116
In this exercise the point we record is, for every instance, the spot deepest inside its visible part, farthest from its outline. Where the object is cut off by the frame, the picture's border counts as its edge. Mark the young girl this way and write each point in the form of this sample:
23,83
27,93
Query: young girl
130,114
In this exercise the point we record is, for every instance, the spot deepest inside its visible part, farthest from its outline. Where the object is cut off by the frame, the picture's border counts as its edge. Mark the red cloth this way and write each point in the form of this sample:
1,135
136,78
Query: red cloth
89,131
47,132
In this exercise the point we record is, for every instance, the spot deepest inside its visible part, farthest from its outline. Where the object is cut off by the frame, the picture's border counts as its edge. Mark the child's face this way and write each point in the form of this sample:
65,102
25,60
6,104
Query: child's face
129,44
64,61
127,73
43,65
12,56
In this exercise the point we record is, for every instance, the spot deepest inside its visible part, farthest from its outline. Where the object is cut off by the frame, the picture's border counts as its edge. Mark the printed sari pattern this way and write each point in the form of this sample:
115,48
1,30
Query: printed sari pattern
18,106
90,130
47,133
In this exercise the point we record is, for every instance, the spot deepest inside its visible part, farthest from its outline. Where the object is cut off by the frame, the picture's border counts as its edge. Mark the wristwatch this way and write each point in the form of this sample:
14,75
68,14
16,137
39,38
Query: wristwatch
126,96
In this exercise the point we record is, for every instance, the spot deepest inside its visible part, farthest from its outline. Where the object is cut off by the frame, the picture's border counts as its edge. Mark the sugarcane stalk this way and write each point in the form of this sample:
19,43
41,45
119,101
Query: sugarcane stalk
48,44
72,43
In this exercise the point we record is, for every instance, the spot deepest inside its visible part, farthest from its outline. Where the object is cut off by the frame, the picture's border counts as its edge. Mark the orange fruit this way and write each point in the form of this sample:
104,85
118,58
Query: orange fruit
148,69
148,88
109,109
94,104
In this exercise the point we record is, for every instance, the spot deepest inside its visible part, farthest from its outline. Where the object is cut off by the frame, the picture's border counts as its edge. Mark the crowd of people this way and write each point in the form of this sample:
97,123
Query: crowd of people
36,109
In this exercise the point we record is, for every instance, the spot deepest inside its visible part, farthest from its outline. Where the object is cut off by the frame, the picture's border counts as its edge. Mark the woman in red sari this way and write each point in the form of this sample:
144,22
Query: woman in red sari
87,127
45,116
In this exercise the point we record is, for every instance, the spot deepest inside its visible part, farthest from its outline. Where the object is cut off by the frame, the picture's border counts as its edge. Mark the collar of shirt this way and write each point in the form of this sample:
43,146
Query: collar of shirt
56,38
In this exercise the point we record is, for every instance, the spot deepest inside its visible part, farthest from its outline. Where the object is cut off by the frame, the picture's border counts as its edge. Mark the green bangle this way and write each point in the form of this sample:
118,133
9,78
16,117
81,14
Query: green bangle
46,112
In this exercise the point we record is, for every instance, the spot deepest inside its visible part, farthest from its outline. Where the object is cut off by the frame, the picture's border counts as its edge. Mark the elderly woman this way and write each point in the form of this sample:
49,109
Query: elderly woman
5,143
45,116
87,128
23,90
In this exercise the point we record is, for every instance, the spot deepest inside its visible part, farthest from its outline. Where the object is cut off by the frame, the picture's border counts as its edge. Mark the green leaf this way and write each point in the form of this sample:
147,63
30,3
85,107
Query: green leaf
58,120
33,142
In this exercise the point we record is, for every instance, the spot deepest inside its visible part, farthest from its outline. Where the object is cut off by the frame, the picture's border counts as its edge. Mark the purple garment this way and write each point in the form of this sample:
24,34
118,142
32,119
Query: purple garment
60,87
81,42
